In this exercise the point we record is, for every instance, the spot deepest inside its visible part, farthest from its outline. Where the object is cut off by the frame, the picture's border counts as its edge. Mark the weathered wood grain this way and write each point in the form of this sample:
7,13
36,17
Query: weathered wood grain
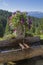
16,41
15,55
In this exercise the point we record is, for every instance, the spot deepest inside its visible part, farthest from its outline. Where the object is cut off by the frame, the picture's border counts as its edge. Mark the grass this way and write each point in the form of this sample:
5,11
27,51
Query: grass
12,35
9,36
41,36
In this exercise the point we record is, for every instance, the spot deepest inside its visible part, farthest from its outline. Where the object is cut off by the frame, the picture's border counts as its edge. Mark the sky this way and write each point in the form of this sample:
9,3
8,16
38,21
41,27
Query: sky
22,5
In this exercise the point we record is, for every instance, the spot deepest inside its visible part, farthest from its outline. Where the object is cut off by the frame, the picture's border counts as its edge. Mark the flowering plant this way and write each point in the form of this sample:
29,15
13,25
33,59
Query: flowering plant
20,22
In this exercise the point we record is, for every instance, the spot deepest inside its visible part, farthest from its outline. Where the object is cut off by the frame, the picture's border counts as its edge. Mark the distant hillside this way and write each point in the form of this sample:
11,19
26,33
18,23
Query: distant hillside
36,14
4,13
3,20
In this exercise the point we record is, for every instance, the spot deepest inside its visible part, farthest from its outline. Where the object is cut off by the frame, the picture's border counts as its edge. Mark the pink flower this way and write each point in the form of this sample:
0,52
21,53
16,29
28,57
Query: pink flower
14,30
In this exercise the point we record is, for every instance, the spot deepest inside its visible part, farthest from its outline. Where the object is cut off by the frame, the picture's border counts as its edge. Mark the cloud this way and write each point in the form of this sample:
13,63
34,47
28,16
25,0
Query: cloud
5,4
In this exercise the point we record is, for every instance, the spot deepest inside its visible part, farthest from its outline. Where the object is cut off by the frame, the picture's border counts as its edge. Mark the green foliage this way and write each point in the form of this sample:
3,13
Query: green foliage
1,30
18,22
37,25
3,21
22,27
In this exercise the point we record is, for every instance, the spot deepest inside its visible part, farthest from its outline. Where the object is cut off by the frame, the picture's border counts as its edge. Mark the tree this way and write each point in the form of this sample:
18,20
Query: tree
1,30
3,21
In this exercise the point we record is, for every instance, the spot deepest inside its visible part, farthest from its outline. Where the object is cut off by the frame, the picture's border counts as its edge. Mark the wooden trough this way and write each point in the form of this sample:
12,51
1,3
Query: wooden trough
19,53
16,41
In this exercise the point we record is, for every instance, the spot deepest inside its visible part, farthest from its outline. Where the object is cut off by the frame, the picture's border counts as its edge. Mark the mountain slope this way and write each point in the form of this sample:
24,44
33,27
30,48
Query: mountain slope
36,14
